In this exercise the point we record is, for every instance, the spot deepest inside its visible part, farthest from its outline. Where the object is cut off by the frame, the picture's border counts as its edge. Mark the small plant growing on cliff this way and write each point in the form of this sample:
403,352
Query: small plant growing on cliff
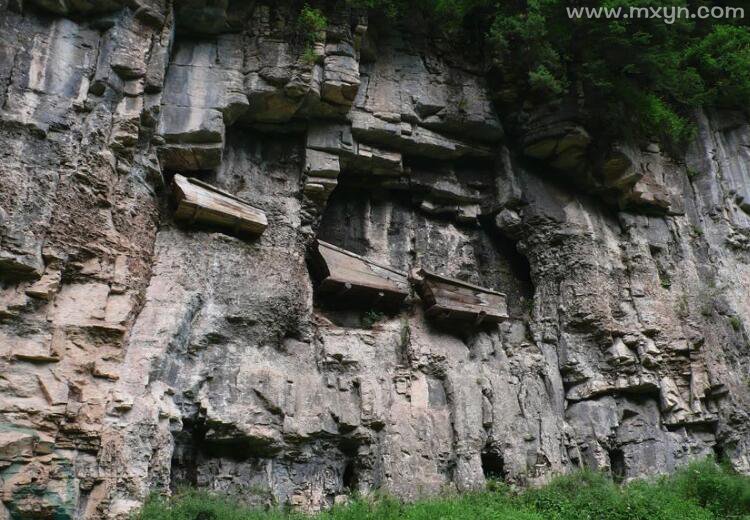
370,318
735,322
310,23
543,82
309,56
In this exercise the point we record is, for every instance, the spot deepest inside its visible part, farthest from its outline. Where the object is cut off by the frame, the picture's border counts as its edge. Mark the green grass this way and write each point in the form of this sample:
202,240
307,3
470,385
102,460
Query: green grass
700,491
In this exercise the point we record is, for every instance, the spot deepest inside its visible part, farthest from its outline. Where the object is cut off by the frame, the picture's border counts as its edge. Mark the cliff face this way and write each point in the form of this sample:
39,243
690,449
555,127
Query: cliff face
137,354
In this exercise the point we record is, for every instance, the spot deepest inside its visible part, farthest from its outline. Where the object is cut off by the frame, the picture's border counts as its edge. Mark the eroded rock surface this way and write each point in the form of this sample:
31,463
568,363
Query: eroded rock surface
139,355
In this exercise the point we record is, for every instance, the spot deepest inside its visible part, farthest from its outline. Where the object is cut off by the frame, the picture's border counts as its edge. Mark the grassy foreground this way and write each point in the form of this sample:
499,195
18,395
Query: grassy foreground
701,490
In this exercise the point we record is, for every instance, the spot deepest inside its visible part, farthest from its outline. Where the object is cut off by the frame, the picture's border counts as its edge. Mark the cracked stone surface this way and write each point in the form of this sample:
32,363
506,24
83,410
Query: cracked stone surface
139,355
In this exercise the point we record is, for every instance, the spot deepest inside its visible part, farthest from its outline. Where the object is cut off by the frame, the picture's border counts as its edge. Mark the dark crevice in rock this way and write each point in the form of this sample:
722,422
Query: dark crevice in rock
493,465
617,464
719,453
183,464
194,452
349,477
519,286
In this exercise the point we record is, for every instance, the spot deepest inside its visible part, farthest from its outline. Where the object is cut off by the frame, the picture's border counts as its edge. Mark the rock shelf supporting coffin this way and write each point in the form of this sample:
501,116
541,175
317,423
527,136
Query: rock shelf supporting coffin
447,298
346,278
200,202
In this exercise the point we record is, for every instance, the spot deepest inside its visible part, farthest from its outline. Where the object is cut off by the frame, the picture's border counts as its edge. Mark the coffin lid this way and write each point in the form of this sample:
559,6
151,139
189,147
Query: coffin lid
180,180
362,258
353,279
422,274
206,203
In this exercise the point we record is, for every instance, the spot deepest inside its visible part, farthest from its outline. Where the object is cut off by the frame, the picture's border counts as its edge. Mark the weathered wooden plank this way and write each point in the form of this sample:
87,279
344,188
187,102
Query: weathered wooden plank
455,282
200,202
466,296
448,298
352,278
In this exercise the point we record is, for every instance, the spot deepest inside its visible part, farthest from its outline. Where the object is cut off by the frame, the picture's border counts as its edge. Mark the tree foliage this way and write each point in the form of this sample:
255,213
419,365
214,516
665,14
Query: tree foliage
641,76
310,22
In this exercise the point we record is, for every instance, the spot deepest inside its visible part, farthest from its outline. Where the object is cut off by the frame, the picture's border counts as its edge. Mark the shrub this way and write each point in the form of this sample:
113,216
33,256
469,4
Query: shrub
700,491
640,77
309,56
723,58
714,487
310,23
543,82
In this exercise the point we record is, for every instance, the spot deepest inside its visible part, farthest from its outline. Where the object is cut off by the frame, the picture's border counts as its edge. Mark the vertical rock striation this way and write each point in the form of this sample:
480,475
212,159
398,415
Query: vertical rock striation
139,355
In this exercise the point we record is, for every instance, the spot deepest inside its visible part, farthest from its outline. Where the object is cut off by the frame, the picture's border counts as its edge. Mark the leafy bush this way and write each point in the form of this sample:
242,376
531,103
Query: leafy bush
309,56
722,58
715,488
593,495
635,75
310,23
700,491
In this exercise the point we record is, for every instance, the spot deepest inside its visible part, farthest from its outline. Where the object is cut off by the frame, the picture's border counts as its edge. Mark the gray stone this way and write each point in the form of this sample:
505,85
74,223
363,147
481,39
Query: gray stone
321,164
139,354
191,125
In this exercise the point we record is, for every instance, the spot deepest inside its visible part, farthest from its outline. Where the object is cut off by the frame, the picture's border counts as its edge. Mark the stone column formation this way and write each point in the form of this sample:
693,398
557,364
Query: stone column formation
139,355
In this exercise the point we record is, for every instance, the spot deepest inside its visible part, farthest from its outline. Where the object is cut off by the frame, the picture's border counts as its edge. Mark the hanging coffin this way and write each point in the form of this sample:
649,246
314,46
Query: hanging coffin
450,299
345,278
199,202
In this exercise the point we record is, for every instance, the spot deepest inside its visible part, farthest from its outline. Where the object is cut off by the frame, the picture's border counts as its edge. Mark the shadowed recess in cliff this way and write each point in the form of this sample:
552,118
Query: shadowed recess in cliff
386,226
493,465
241,468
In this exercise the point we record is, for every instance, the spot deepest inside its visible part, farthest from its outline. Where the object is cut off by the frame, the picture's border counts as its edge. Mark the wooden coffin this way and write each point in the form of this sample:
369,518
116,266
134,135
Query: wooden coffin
449,299
199,202
345,278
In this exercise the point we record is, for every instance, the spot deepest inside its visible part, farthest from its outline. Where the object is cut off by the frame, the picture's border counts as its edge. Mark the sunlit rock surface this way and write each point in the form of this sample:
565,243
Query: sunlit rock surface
139,355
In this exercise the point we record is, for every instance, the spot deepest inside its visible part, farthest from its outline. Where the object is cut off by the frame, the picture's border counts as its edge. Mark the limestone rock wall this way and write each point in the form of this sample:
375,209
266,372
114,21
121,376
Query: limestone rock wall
140,355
